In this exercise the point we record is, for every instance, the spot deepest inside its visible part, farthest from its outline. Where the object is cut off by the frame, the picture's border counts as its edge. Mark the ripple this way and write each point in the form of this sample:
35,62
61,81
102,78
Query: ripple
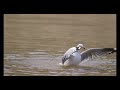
41,63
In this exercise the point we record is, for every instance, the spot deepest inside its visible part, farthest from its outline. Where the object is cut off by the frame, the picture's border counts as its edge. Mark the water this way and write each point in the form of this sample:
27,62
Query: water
34,43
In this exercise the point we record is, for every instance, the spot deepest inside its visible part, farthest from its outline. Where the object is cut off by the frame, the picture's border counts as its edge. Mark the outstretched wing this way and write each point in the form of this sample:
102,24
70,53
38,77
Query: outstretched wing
68,54
96,52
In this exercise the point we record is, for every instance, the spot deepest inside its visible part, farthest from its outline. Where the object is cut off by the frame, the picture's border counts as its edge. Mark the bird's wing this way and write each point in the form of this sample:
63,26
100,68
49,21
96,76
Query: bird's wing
68,54
96,52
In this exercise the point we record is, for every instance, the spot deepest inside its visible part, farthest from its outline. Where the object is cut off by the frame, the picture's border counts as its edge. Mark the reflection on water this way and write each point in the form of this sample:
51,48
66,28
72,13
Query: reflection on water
34,44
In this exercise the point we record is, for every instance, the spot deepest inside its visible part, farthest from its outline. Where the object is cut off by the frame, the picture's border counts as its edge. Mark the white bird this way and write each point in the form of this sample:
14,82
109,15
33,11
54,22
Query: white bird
74,57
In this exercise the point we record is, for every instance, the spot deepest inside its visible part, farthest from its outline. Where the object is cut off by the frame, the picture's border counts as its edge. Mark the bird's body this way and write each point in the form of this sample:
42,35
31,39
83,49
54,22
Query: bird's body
73,56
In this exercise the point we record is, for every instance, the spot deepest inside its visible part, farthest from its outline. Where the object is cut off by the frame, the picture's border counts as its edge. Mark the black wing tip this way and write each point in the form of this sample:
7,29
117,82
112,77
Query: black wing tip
115,49
112,50
64,59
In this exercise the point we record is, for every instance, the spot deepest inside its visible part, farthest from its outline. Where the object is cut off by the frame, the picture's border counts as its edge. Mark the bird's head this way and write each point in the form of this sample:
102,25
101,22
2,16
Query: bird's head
79,46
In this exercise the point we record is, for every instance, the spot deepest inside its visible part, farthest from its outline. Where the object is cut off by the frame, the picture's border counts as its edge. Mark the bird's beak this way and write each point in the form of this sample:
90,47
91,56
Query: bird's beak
84,48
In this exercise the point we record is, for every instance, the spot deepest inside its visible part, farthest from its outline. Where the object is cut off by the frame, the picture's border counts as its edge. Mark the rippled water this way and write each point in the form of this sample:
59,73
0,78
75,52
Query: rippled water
34,44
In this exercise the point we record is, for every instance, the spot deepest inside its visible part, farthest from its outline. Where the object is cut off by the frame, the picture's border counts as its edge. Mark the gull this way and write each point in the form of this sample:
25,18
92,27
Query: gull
73,56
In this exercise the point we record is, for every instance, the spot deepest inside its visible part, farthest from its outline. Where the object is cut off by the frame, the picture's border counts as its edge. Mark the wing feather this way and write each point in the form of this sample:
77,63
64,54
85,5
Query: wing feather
68,54
96,52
